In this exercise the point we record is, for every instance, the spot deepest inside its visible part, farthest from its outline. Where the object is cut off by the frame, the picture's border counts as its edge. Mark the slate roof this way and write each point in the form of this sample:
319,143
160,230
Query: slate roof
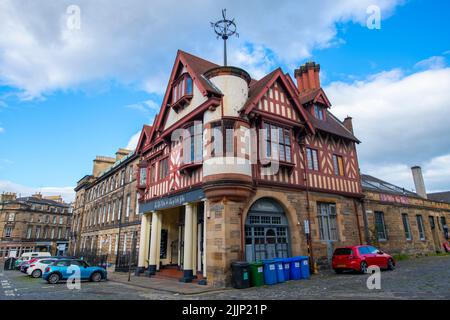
440,196
42,201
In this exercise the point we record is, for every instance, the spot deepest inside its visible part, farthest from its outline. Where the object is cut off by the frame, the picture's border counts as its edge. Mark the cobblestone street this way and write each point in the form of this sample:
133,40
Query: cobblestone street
422,278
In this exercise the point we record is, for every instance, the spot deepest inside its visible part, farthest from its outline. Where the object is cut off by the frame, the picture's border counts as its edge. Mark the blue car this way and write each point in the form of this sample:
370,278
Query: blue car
64,268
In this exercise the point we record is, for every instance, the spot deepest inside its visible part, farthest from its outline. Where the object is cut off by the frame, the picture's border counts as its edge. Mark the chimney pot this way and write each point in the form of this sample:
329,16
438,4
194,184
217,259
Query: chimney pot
308,77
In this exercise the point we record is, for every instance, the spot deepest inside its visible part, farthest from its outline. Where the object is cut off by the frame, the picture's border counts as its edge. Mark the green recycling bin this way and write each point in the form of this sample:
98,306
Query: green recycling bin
256,274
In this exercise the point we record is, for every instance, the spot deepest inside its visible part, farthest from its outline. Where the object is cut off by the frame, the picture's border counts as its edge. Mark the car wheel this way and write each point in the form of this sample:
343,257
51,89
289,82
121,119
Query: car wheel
36,273
391,265
96,277
338,271
54,278
363,267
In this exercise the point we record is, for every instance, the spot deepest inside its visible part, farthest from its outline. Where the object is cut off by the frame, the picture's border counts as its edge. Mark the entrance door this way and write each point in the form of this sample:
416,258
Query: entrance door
266,231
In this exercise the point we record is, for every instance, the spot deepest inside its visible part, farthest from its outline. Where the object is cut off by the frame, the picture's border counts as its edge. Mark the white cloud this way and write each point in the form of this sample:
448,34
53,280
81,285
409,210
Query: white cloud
2,130
145,106
67,193
135,41
435,62
132,144
402,120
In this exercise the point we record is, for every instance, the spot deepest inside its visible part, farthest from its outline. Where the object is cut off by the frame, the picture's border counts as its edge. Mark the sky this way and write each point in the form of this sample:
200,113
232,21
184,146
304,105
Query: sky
71,89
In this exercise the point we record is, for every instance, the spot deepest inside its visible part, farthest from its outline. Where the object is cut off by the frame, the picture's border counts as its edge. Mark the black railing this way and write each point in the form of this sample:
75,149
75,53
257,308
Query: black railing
126,261
93,258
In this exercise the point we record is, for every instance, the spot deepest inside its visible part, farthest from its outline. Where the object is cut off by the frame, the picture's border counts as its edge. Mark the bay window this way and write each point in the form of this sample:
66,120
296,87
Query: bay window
182,91
277,143
338,164
193,144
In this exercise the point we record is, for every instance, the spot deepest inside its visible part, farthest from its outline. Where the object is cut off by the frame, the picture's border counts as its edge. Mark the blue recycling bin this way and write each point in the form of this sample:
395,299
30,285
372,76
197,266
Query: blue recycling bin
295,272
280,269
304,262
287,268
270,272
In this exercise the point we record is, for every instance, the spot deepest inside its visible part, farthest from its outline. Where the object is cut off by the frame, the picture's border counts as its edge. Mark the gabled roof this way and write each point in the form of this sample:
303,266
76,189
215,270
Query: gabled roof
312,95
440,196
259,88
199,66
196,67
333,125
145,134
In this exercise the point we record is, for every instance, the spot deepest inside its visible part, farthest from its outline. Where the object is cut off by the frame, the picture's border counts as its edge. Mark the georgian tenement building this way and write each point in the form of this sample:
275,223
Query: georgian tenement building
106,220
35,223
401,221
240,169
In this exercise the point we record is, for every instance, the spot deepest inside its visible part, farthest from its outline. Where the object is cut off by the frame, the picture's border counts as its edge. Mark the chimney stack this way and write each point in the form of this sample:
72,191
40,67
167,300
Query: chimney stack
418,181
348,123
122,153
308,77
101,164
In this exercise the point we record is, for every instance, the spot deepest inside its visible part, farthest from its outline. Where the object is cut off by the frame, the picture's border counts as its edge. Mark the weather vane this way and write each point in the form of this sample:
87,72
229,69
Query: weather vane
224,29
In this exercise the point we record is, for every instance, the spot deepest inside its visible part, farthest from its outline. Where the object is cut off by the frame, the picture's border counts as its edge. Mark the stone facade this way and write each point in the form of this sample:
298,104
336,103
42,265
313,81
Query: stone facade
35,223
396,241
106,220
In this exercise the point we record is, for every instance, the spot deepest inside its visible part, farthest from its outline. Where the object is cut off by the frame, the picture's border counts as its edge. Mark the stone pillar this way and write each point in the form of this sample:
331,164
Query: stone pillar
205,219
187,263
158,241
194,239
143,245
153,244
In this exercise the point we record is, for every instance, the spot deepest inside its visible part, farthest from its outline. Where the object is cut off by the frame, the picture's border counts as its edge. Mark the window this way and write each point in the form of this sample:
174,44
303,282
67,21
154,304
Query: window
432,224
8,231
38,232
163,168
338,163
363,250
344,251
125,243
29,231
182,87
420,227
54,220
11,217
278,142
143,176
59,233
406,227
193,144
104,214
119,214
61,220
47,219
318,112
380,226
52,234
313,161
113,211
122,178
326,213
137,203
127,214
130,173
109,212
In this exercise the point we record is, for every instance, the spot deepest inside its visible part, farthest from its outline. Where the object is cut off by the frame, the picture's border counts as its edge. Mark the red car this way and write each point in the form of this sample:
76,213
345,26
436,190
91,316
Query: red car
359,258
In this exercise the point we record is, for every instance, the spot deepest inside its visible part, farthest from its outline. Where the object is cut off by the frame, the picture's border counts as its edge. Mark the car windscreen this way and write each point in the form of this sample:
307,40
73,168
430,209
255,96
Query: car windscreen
343,252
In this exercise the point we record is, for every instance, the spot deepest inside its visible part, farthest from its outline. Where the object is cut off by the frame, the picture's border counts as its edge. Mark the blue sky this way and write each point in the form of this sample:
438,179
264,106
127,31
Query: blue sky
66,97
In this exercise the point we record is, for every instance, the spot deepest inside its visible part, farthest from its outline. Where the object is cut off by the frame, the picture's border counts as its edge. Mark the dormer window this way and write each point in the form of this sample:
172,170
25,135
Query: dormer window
319,112
182,91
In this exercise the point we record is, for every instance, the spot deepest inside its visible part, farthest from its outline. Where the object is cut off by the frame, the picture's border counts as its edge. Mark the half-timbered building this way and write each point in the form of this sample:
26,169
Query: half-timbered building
235,168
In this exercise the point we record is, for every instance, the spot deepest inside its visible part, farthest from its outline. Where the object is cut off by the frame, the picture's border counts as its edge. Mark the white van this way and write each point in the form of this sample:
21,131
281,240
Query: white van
30,255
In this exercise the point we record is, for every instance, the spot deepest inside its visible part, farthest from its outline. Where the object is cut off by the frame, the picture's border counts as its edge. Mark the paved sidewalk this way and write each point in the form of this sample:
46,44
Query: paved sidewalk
167,285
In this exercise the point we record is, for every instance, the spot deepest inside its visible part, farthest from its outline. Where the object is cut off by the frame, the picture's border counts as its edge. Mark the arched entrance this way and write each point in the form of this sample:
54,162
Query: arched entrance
266,231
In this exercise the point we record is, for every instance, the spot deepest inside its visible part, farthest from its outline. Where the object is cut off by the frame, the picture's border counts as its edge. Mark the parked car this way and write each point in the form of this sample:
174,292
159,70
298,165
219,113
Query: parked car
59,270
36,268
27,256
25,265
359,258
